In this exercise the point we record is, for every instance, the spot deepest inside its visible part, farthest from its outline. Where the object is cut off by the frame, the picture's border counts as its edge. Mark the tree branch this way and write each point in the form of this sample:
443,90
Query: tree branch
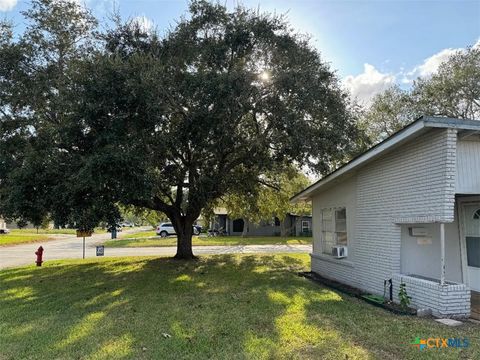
179,197
271,186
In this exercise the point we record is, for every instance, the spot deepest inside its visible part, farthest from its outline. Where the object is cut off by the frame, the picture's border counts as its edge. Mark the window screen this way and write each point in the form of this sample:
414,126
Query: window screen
473,251
327,231
305,226
334,229
341,226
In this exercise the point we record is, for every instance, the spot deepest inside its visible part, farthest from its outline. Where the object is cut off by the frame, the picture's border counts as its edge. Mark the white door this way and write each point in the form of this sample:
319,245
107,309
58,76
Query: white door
472,239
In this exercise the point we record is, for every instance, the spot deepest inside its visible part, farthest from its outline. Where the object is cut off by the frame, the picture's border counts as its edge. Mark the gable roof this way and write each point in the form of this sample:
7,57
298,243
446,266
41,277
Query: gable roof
409,132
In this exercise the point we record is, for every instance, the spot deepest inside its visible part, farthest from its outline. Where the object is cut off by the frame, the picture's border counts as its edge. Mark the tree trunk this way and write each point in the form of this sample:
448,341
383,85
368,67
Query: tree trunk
184,228
283,228
245,227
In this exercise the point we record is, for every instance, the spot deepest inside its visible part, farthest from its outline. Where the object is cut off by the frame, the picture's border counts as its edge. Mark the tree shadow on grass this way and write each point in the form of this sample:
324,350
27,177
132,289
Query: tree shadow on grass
219,307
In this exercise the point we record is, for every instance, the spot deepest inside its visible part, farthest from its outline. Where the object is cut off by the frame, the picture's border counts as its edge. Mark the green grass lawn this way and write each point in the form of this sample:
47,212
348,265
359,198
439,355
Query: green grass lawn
141,234
21,236
220,307
48,231
144,239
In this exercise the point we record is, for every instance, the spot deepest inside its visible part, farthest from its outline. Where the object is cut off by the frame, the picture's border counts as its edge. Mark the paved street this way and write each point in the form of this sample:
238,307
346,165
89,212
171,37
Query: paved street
70,247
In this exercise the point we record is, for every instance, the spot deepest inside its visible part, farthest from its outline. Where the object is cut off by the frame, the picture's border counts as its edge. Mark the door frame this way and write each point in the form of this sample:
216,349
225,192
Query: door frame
467,200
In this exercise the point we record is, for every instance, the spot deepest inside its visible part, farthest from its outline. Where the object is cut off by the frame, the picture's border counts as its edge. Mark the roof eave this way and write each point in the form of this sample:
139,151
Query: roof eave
394,140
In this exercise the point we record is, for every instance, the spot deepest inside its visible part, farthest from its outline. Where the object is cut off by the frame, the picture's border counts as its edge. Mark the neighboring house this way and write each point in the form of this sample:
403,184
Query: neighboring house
408,210
13,225
293,225
298,225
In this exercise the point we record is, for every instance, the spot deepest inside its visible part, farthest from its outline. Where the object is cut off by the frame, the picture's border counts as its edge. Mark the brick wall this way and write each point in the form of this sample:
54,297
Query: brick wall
414,183
336,269
451,300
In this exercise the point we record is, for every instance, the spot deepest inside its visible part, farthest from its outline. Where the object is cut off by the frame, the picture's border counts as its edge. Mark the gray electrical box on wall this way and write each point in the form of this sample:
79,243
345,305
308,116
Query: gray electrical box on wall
418,232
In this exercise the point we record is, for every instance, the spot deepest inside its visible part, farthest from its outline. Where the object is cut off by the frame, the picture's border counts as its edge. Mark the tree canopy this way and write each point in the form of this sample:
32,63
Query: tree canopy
453,91
92,119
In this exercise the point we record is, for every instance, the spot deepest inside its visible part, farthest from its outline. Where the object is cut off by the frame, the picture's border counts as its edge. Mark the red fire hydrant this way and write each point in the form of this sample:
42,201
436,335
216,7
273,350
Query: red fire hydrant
39,254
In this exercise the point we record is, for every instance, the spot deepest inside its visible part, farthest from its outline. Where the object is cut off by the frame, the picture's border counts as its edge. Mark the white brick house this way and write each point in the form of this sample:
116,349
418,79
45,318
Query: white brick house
407,210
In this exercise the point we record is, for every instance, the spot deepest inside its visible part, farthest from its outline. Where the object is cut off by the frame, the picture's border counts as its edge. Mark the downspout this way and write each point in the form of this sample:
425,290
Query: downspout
442,254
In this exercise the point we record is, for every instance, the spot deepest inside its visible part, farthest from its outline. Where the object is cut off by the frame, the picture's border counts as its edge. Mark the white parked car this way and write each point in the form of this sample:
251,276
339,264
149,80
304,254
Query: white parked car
166,229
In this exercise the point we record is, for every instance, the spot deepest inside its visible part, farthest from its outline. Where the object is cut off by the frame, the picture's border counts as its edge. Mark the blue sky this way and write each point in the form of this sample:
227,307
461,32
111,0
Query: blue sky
371,44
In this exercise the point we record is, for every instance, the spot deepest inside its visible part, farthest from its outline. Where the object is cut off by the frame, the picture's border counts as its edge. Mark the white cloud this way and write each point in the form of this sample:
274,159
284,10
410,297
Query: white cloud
430,65
101,7
7,5
369,83
145,24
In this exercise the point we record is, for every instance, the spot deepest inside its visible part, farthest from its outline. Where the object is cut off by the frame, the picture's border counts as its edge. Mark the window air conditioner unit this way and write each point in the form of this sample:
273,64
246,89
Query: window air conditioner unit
339,252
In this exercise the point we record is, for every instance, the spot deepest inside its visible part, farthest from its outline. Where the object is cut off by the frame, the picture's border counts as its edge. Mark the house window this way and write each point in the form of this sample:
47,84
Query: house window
305,226
277,221
238,225
334,229
473,251
476,215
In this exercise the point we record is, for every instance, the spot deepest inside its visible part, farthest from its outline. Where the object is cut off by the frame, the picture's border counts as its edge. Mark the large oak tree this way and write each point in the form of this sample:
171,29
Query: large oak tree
93,119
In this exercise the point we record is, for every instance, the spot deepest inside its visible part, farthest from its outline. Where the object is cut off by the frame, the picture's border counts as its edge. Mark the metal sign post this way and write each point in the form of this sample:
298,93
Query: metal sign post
84,234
